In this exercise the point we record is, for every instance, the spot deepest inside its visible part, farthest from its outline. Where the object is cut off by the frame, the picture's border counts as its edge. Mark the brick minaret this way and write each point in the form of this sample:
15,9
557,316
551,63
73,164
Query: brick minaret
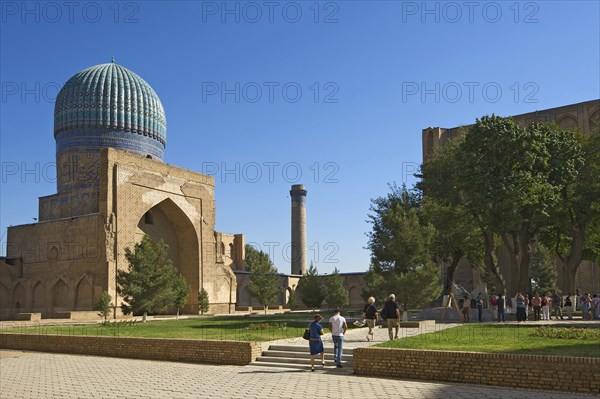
298,251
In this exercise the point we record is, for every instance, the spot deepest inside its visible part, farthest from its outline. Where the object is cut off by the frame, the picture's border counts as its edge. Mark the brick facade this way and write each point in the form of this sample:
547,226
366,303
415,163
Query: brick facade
570,374
178,350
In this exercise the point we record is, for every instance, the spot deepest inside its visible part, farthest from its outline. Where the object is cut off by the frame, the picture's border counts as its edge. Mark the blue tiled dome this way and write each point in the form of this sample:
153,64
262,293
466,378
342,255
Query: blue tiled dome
107,105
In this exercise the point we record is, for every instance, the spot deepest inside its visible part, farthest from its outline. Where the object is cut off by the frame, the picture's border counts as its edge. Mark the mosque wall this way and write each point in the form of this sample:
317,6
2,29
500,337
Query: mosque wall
53,266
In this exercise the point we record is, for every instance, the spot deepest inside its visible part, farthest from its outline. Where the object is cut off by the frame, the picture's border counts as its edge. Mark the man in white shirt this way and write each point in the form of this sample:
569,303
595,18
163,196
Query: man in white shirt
338,327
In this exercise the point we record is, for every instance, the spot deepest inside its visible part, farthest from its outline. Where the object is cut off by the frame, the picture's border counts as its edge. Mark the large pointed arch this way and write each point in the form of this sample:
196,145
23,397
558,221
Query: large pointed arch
60,296
37,297
568,122
83,295
171,224
18,298
5,302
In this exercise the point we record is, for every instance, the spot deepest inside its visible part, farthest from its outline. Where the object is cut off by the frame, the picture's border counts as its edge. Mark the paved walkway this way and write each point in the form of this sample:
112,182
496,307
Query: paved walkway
44,375
356,337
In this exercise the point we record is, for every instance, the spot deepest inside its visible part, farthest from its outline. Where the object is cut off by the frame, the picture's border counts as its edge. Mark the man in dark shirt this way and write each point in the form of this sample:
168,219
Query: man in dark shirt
370,314
500,304
392,315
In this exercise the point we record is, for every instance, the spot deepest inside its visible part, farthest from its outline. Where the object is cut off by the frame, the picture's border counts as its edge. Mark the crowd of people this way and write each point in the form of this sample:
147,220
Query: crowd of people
543,307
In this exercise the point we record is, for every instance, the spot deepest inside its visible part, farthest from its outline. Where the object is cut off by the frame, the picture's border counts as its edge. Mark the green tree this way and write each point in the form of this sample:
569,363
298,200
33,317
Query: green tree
418,287
336,294
263,280
182,291
310,290
104,305
574,231
293,300
510,181
544,275
255,257
148,285
398,241
376,286
203,302
400,244
455,237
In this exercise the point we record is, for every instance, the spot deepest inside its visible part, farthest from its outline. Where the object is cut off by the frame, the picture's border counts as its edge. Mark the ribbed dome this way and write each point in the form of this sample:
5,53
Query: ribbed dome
107,105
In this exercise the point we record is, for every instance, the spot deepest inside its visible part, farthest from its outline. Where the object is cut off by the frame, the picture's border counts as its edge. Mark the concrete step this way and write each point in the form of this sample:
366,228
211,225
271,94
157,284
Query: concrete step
295,360
298,357
305,349
303,355
318,367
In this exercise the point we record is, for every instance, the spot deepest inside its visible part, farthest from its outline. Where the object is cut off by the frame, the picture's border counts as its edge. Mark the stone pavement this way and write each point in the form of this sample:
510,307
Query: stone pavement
44,375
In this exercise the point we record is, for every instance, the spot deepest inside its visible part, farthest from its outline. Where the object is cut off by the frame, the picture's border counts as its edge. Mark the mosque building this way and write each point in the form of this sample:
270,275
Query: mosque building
112,188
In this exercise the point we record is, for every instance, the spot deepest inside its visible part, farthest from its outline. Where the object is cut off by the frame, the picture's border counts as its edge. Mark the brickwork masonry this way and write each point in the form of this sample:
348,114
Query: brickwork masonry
558,373
178,350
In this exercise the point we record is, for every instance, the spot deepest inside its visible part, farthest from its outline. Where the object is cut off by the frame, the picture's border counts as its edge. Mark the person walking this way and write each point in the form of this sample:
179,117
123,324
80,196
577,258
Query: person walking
585,306
546,306
537,306
370,315
494,306
521,313
315,342
391,313
557,305
338,327
479,304
466,308
527,303
569,306
500,302
596,306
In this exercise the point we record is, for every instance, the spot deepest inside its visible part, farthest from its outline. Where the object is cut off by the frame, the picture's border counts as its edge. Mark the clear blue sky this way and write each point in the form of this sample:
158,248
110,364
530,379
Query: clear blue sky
361,68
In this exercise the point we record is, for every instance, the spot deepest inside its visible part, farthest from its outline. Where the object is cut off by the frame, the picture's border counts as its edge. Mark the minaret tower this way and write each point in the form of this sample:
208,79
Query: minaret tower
298,252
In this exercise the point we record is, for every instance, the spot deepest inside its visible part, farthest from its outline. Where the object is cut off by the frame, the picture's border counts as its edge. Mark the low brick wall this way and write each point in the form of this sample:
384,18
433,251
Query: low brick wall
178,350
28,316
571,374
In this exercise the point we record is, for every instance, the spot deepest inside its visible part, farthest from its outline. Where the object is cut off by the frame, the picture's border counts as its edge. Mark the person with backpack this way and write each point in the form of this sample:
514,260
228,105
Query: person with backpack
315,342
370,315
391,313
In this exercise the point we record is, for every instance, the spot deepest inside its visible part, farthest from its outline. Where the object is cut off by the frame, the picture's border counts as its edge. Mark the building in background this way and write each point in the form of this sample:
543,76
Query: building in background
584,116
112,188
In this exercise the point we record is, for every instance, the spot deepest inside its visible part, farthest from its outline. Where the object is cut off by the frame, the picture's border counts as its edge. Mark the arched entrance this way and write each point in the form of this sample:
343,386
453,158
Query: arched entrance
166,221
60,296
19,298
37,295
83,297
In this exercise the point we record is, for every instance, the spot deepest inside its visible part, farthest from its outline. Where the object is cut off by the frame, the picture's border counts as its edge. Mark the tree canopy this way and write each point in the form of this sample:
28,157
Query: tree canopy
400,243
263,278
310,290
255,257
336,294
151,283
511,186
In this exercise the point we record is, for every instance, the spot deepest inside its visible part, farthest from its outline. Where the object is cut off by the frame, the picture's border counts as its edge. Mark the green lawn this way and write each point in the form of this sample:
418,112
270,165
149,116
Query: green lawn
561,341
239,328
